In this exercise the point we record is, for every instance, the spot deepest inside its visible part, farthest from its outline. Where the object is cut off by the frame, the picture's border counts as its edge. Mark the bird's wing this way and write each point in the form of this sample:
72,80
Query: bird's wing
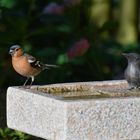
37,64
34,62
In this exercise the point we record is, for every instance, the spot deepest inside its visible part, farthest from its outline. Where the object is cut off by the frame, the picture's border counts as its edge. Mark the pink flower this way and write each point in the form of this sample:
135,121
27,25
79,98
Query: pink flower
79,48
53,8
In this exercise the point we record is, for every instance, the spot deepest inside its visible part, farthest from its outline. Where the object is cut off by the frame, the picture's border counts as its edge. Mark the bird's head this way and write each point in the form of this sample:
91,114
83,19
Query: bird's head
16,51
132,57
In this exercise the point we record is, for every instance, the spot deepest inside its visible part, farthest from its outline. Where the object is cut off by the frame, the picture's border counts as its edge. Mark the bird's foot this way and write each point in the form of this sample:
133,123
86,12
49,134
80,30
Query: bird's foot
134,88
26,86
131,88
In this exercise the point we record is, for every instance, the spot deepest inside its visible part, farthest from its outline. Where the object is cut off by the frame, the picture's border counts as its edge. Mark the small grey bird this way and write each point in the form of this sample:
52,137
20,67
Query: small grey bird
132,72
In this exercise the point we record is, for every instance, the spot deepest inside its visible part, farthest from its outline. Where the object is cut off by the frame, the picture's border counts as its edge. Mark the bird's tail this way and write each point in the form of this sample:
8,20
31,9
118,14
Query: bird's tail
48,66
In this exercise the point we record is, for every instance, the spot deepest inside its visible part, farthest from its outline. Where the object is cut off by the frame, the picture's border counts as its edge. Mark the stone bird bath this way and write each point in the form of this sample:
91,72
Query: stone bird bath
76,111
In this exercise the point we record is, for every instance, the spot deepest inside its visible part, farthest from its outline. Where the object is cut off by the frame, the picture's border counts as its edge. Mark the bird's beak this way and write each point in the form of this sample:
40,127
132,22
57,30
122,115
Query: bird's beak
11,51
125,54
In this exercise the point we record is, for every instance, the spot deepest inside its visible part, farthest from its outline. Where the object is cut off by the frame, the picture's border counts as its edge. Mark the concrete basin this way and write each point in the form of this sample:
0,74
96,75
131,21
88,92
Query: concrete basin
104,110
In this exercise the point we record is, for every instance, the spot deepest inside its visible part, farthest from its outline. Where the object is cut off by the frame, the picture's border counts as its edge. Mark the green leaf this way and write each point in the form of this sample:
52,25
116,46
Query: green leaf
8,3
64,28
27,46
62,59
4,132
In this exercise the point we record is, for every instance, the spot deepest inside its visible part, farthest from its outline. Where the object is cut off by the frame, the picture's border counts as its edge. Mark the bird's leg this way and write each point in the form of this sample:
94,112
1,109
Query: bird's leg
131,88
32,80
26,81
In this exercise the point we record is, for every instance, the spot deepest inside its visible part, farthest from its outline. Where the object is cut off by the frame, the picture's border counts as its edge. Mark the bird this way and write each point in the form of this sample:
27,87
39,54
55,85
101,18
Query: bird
132,72
25,64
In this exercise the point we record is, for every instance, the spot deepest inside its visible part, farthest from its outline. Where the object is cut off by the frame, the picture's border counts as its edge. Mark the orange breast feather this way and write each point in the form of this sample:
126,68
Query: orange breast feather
23,67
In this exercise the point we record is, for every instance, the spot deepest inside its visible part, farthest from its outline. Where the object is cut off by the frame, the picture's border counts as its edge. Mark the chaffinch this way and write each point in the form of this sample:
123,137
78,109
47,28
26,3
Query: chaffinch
25,64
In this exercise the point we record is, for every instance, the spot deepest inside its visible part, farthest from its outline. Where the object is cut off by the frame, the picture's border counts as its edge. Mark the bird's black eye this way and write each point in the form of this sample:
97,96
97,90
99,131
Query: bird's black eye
17,49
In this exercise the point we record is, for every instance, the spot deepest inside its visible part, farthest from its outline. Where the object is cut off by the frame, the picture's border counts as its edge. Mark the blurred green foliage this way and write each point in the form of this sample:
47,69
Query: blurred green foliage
50,37
7,134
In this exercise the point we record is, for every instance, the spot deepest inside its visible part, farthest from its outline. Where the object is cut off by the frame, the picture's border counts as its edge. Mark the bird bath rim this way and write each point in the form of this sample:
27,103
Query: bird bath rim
85,90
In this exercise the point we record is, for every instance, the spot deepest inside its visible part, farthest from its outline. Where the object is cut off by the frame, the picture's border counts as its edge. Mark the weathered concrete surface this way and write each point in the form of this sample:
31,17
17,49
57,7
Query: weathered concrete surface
52,118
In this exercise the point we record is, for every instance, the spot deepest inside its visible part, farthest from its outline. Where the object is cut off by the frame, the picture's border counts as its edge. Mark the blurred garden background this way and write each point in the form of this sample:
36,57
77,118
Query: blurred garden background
85,37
